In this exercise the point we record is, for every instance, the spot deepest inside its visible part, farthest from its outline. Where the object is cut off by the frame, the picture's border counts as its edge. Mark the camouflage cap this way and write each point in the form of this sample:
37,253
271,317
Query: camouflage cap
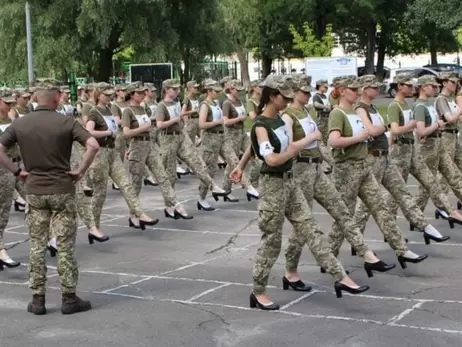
256,83
105,88
47,84
7,95
150,86
64,89
302,82
22,92
427,80
136,87
81,87
212,84
282,83
349,81
171,83
225,79
322,82
449,76
235,84
90,86
404,78
120,87
369,81
192,84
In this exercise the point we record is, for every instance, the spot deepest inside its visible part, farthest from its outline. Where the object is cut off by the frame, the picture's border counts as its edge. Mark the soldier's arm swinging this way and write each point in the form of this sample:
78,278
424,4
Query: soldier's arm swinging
6,161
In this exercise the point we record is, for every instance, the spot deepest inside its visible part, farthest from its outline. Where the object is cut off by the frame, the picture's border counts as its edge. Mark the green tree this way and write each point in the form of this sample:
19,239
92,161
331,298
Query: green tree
309,44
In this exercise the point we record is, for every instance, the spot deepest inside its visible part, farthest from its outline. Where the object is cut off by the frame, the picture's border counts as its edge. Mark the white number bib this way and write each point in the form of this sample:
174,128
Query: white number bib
454,107
433,114
3,127
143,119
309,127
356,124
407,115
283,137
174,110
376,119
325,101
194,104
111,123
153,108
216,112
240,110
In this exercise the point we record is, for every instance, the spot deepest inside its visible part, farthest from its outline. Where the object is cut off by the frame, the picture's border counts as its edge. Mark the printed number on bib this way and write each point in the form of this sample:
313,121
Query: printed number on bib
309,127
111,123
174,110
216,112
143,119
283,137
433,114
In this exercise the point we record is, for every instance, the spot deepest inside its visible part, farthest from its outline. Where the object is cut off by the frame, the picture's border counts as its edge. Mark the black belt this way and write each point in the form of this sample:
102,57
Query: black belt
141,138
108,145
195,117
434,136
169,132
285,174
309,160
216,131
404,141
16,159
378,152
452,131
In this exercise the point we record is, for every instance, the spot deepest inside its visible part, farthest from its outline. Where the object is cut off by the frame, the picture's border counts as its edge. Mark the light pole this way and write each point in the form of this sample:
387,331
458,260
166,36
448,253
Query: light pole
30,62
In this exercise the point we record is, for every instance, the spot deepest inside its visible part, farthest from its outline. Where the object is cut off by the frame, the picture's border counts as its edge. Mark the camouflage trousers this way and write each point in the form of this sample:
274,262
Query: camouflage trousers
192,128
408,159
281,198
354,179
59,211
153,133
212,146
107,164
180,146
315,185
143,153
458,152
121,145
254,175
448,144
239,141
323,127
7,182
439,160
396,189
76,156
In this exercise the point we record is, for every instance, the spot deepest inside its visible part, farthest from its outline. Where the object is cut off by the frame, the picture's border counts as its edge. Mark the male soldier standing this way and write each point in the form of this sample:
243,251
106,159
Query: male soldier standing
46,141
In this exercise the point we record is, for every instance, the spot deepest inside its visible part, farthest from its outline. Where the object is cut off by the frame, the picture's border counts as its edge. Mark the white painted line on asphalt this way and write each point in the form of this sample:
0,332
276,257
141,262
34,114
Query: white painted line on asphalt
206,292
296,301
406,312
15,227
448,331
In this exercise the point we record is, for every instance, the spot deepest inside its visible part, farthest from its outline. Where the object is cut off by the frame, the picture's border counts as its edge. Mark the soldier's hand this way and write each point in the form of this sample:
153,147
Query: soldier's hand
412,123
441,123
76,175
363,135
236,175
318,134
292,149
219,121
23,176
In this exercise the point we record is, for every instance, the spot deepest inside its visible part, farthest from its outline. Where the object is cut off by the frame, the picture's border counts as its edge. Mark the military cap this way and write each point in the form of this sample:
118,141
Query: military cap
404,78
256,83
349,81
212,84
150,86
302,82
427,80
90,86
47,84
282,83
121,87
136,87
171,83
64,89
235,84
22,92
81,87
369,81
449,76
192,84
7,95
105,88
322,82
226,79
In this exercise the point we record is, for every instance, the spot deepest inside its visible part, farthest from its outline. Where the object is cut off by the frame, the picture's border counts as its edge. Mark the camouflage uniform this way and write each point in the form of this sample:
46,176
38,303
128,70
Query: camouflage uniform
352,176
436,157
192,124
213,142
383,169
142,152
310,178
117,110
407,157
323,106
458,153
282,198
252,105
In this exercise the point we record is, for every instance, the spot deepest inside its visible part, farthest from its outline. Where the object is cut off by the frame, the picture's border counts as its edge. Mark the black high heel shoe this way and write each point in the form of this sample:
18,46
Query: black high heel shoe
379,266
226,198
114,187
412,227
353,251
52,251
298,286
168,215
149,183
221,165
178,175
453,221
459,205
428,237
405,239
339,287
9,265
216,195
18,207
143,223
251,196
178,215
255,303
88,192
92,238
132,225
202,208
403,260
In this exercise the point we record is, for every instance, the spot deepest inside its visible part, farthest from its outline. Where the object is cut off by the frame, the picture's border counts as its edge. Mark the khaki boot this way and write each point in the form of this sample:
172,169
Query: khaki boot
37,305
73,304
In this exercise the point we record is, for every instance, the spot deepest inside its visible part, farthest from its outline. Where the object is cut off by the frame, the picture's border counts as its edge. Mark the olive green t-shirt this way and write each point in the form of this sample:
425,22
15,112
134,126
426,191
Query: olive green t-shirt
234,109
349,124
333,101
102,117
209,117
151,108
132,116
421,113
118,108
192,103
278,137
13,151
252,105
21,111
442,107
86,107
302,125
166,111
222,98
320,103
395,115
381,141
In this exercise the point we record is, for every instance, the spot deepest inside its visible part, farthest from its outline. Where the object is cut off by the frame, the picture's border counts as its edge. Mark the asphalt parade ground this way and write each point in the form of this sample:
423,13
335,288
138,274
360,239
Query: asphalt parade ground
187,283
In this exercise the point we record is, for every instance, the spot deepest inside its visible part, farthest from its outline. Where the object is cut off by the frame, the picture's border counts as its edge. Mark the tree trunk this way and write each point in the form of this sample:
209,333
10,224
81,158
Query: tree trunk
433,52
381,51
370,47
187,66
244,64
266,63
105,65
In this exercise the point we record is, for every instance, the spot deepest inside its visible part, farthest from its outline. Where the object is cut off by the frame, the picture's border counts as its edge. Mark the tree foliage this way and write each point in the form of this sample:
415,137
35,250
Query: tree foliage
309,44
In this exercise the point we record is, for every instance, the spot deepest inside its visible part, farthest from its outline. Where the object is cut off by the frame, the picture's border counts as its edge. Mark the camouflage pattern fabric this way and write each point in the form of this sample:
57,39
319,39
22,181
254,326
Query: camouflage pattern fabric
239,141
120,145
281,198
7,182
354,179
60,211
192,128
254,175
448,144
458,153
315,185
